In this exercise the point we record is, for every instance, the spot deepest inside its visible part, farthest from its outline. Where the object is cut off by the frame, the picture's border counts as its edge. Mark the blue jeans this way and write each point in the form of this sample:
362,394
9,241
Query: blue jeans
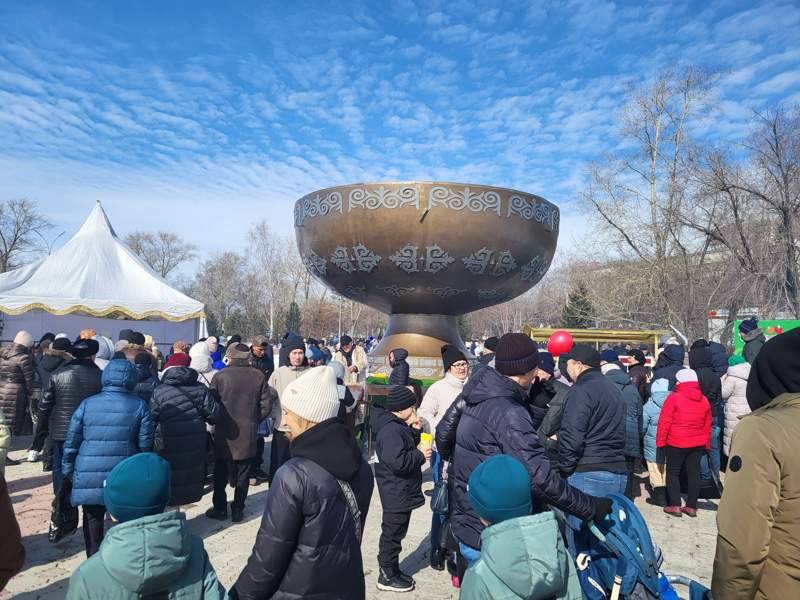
469,553
594,483
438,520
705,473
58,477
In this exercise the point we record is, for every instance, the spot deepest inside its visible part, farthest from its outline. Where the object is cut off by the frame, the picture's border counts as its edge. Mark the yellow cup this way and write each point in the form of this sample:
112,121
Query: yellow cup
425,440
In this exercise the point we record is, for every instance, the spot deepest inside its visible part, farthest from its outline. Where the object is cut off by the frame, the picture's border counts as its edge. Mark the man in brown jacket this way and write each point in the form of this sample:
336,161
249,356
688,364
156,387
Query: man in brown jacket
759,514
245,399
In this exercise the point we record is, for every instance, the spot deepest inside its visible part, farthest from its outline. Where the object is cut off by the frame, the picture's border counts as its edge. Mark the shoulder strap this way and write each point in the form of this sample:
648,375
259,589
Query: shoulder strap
350,497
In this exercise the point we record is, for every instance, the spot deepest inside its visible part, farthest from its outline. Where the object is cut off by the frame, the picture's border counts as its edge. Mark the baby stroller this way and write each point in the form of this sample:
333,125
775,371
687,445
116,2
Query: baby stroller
623,563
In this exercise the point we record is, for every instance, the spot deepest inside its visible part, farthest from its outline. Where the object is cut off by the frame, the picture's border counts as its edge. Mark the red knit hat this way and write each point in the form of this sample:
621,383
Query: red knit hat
179,359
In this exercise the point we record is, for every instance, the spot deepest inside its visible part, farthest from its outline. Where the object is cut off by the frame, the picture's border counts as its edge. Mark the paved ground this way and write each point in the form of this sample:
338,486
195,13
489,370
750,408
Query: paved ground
688,544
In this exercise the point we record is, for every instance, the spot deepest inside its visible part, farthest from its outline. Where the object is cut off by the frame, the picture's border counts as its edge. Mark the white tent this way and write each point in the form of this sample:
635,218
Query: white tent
96,281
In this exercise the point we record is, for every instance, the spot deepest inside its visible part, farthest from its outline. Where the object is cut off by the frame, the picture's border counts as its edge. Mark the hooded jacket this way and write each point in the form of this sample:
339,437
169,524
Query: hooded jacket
105,353
650,415
245,400
306,546
398,471
65,391
633,411
669,362
145,382
180,408
700,361
438,399
17,377
105,429
685,419
593,427
148,556
753,342
759,515
495,420
522,559
719,358
49,362
401,370
734,393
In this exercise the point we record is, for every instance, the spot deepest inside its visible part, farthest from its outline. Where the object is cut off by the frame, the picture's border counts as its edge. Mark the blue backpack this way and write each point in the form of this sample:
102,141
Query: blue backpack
621,558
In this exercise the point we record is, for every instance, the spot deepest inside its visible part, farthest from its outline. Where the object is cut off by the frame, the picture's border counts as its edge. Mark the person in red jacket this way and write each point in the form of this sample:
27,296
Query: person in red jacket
684,431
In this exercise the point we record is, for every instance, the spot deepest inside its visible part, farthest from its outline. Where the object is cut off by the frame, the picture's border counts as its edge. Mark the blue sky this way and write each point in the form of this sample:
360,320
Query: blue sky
201,119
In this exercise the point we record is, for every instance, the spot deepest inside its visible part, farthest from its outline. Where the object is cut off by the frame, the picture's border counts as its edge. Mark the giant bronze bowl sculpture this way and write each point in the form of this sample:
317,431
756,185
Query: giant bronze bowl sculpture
425,252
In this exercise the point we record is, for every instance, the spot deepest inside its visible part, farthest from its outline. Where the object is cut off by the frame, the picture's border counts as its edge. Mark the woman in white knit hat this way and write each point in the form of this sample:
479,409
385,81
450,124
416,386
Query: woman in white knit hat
309,542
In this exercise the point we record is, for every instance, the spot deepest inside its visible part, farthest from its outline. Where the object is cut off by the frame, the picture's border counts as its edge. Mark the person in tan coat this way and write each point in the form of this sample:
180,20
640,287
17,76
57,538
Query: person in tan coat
354,359
759,515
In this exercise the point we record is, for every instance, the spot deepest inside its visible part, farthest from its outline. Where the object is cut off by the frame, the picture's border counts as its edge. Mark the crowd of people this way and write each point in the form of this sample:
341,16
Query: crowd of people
523,447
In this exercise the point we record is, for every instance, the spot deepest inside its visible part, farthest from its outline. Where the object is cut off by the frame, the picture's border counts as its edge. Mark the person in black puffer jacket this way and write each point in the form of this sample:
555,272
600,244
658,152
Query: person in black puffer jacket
145,381
701,361
400,368
180,408
669,362
68,387
398,473
54,356
496,421
309,542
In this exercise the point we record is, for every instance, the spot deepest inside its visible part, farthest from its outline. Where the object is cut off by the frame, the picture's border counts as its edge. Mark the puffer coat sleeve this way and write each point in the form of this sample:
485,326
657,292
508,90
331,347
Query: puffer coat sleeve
276,539
446,429
73,442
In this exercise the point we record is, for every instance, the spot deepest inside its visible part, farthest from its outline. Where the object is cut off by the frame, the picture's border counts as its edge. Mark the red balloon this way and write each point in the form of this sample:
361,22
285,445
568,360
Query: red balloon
559,343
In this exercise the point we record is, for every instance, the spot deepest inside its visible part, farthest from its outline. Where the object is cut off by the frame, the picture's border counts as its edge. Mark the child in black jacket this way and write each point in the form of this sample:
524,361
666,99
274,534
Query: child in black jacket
399,477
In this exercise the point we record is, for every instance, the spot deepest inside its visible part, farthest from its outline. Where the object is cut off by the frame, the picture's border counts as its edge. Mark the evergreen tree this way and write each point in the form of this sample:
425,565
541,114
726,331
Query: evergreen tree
293,318
578,312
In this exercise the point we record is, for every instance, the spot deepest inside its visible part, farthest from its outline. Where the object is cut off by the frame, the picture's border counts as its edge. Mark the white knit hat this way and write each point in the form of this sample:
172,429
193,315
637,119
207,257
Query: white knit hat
199,349
24,338
685,375
313,395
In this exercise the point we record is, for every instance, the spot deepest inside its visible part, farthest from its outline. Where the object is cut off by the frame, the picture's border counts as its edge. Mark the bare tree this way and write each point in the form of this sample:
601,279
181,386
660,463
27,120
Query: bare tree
220,284
22,230
163,251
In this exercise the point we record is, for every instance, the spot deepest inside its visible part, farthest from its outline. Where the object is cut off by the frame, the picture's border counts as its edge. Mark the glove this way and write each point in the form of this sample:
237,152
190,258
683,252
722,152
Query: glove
602,508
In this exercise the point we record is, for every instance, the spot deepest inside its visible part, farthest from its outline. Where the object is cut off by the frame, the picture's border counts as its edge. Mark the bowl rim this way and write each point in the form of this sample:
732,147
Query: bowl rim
424,182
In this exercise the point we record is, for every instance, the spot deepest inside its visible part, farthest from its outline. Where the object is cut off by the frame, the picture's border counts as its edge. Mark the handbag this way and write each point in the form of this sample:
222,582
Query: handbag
440,499
64,516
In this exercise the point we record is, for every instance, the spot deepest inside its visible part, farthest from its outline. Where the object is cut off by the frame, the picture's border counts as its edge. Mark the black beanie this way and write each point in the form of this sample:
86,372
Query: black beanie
142,358
85,348
451,355
400,398
62,344
47,337
125,334
491,343
136,338
516,354
346,339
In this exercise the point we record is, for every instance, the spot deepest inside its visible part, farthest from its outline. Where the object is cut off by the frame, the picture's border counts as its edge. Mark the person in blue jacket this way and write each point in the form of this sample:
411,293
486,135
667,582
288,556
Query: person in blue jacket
105,429
655,458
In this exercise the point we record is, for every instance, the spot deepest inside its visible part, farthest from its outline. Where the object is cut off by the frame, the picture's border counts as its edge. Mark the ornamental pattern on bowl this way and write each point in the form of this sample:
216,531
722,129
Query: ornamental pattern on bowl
315,264
536,209
365,259
466,198
314,205
483,261
383,197
534,270
396,290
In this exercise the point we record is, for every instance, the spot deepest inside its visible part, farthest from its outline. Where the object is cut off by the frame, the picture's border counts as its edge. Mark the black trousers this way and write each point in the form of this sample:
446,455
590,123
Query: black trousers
94,516
394,527
279,452
678,459
237,474
258,459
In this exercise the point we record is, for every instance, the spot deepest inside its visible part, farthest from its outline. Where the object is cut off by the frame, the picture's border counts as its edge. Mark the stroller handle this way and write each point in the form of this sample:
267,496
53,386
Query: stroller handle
596,532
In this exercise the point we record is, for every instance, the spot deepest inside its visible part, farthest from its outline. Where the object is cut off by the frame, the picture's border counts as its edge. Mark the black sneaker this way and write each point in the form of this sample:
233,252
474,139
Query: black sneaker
218,515
395,583
237,516
258,476
10,462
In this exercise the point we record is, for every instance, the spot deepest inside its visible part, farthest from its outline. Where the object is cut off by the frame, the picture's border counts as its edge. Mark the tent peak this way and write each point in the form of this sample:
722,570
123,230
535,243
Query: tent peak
97,223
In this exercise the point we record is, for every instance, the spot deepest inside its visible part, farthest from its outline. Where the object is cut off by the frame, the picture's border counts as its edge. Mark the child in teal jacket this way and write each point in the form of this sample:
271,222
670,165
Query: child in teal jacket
149,552
522,555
